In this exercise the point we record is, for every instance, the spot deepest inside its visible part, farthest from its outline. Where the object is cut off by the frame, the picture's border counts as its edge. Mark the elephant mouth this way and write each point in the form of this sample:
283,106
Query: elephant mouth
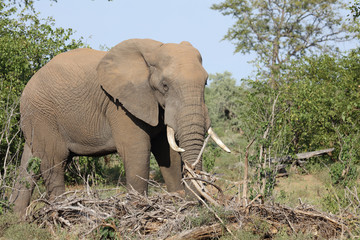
175,147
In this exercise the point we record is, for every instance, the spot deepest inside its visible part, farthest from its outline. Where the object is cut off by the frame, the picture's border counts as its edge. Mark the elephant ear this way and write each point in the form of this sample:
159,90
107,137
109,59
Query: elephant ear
124,74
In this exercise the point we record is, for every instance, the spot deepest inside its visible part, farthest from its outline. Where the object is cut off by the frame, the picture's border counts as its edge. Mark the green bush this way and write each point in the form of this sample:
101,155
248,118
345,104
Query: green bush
95,170
27,43
337,199
108,230
211,153
343,174
321,96
314,106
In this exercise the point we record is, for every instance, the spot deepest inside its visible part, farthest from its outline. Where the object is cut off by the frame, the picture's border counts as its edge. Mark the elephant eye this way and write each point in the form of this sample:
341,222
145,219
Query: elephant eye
165,87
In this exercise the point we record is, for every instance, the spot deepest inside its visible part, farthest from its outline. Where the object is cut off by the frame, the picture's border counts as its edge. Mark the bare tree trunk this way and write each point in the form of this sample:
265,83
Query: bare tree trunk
246,170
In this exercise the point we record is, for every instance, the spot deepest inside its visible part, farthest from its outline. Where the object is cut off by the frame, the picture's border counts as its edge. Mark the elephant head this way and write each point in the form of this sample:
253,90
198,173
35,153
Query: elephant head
143,75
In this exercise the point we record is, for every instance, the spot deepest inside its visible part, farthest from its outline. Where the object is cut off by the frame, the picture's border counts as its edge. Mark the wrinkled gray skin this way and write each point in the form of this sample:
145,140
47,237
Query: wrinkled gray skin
88,102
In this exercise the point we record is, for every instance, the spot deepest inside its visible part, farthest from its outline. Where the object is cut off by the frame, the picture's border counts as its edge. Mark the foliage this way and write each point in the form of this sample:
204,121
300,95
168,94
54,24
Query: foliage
225,102
223,99
315,107
322,98
26,44
107,170
342,199
261,120
114,170
320,101
278,31
108,230
84,170
355,9
212,152
312,102
344,172
34,165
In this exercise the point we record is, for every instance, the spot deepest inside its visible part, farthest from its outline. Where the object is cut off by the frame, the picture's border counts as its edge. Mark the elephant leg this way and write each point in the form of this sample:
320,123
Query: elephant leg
137,167
169,162
135,151
49,146
53,168
24,185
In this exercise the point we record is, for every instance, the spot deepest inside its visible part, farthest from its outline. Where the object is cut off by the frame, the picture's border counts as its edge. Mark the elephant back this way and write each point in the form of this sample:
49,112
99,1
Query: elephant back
64,73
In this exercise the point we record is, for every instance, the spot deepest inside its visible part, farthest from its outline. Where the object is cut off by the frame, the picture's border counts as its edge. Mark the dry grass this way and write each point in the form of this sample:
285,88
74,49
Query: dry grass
299,188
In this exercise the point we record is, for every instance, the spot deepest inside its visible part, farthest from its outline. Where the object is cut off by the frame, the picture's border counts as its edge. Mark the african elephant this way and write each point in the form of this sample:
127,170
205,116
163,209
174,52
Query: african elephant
135,99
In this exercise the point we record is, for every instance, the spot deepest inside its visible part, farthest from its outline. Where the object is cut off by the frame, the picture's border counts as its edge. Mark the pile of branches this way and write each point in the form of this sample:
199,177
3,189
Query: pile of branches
170,216
302,219
131,214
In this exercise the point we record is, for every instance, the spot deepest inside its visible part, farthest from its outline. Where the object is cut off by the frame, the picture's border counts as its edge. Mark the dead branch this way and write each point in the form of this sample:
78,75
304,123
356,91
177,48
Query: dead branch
204,232
199,185
201,152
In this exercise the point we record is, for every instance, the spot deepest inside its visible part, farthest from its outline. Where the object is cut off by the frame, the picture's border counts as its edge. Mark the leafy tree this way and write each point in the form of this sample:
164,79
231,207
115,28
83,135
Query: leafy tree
248,110
278,31
223,99
323,100
355,9
302,106
26,44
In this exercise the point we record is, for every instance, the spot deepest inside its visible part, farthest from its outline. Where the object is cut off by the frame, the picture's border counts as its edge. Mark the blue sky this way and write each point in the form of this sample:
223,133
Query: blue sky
107,23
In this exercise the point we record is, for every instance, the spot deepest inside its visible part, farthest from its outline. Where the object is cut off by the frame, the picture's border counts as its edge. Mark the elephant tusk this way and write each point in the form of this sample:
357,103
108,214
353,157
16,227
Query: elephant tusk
171,140
217,140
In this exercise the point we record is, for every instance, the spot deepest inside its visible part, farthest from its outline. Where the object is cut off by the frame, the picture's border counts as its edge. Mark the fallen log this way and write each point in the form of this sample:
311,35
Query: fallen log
307,155
299,159
300,156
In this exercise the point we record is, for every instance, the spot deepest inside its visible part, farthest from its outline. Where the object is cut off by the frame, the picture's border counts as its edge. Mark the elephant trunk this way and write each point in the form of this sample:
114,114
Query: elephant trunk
191,124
